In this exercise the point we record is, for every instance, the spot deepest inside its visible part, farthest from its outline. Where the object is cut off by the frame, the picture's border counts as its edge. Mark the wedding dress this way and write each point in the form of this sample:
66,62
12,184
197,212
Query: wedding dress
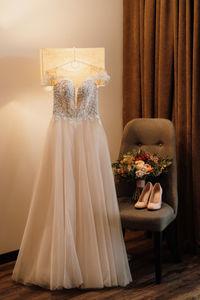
73,235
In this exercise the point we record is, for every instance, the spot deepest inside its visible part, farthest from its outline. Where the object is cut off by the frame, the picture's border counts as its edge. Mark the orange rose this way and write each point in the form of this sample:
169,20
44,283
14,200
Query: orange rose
139,164
149,169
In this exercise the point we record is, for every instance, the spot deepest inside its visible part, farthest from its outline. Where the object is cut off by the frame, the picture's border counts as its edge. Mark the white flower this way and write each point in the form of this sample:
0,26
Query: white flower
144,169
101,77
129,168
140,173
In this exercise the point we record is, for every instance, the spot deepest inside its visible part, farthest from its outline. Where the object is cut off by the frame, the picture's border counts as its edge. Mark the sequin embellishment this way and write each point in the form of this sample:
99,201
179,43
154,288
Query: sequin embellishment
76,104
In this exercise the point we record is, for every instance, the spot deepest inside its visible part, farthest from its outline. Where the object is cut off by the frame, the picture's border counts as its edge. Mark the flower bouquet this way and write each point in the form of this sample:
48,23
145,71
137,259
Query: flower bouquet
140,166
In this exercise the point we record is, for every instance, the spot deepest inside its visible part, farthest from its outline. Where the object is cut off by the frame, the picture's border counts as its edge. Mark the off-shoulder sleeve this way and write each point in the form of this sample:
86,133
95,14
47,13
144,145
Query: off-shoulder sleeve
102,78
48,80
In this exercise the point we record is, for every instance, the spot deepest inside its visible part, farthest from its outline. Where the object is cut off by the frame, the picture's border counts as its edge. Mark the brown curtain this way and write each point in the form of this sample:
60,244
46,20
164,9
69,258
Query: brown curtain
161,78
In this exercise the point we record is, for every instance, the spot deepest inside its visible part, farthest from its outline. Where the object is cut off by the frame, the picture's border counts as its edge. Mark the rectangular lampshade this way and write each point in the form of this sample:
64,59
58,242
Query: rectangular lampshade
57,61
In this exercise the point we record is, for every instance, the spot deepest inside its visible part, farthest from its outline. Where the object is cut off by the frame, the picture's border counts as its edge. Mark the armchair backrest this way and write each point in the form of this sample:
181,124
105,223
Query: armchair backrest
155,136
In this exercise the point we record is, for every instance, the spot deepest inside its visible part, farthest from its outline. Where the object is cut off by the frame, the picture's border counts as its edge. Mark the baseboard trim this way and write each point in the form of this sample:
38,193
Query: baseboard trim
9,256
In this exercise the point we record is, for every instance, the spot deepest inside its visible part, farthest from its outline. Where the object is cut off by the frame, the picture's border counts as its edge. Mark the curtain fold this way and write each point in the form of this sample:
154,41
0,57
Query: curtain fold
161,74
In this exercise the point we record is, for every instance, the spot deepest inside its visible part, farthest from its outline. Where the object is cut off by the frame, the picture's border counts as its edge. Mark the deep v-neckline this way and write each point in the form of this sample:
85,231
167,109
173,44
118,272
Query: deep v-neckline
77,104
76,88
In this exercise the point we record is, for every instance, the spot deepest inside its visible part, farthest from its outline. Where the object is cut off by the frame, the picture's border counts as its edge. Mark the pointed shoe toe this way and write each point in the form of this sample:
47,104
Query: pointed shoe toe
155,201
144,197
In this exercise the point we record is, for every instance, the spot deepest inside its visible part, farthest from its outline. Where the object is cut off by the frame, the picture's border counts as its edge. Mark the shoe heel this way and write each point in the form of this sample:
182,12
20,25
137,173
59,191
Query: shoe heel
155,200
144,197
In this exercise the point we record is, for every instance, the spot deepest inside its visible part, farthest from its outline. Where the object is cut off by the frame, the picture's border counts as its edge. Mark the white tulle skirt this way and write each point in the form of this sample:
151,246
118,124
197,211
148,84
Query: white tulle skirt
73,235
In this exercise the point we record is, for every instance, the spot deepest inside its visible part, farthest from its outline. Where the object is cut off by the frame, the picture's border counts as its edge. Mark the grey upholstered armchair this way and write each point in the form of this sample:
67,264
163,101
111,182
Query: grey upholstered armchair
154,136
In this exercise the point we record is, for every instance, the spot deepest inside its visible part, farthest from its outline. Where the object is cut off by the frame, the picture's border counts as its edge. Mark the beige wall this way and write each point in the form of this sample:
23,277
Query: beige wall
26,108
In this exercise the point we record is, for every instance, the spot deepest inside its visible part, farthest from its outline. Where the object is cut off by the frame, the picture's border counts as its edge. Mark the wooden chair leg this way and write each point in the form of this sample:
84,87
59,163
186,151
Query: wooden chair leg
158,256
171,238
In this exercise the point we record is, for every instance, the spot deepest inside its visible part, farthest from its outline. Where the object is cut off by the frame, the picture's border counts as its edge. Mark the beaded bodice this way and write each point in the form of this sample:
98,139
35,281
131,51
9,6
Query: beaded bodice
76,103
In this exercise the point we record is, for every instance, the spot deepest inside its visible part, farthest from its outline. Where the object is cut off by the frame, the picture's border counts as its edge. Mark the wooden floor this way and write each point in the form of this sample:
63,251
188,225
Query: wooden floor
180,281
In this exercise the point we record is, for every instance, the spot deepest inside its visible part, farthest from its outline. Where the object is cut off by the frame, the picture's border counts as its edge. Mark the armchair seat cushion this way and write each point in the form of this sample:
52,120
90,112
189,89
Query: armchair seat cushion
144,219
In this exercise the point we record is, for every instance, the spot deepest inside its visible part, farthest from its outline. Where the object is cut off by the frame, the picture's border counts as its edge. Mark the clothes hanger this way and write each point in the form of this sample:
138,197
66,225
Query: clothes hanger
99,74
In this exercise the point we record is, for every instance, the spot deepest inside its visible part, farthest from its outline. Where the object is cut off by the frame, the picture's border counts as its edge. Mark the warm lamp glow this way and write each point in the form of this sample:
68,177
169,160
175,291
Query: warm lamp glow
73,63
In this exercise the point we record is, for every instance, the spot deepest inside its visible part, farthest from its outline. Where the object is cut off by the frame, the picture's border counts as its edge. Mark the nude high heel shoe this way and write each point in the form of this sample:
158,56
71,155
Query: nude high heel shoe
144,197
155,200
